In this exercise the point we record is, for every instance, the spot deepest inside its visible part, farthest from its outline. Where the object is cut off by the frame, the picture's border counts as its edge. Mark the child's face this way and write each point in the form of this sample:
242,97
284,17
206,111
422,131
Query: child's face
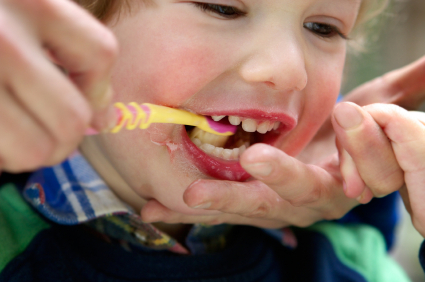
274,62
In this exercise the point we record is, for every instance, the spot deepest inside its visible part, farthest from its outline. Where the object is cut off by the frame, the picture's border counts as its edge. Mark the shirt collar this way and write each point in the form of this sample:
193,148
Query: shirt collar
73,193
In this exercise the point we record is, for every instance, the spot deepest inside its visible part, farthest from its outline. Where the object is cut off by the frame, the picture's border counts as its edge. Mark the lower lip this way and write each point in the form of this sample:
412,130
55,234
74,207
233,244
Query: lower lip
214,167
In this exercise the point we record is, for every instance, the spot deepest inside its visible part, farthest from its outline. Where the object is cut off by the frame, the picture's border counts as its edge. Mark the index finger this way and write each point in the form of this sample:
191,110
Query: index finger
294,181
81,45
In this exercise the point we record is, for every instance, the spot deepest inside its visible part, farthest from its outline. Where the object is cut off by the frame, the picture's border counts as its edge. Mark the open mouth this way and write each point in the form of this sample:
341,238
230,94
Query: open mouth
230,148
218,156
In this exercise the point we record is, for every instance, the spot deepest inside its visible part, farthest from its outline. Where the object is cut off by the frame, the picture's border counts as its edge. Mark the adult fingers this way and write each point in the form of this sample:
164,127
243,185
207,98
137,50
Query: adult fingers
17,151
369,147
256,199
44,94
275,197
60,105
407,85
404,87
354,186
251,200
154,211
84,47
407,135
298,183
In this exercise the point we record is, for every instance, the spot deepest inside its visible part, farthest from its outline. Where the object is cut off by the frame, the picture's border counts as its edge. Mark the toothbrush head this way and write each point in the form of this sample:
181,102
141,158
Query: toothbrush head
220,128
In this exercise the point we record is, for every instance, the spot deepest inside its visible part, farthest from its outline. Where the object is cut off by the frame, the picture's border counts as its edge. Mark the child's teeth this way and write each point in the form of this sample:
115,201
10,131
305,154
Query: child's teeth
242,149
206,137
263,127
220,152
217,118
235,154
271,125
249,125
217,151
234,120
207,148
227,154
197,142
213,144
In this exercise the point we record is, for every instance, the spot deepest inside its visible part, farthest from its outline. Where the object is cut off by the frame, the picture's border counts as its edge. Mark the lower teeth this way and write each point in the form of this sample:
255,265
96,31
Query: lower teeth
213,144
220,152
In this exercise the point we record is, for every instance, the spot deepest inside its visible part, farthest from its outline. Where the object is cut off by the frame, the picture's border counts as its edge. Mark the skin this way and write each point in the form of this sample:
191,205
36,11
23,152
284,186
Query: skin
313,188
200,61
50,125
404,86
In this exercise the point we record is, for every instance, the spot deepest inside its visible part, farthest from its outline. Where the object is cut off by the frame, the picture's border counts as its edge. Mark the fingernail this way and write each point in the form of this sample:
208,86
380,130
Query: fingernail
347,115
259,169
203,206
103,96
344,186
360,198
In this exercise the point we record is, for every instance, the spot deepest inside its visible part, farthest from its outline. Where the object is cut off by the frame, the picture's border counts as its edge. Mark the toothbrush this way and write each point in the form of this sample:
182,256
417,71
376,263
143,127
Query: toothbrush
142,116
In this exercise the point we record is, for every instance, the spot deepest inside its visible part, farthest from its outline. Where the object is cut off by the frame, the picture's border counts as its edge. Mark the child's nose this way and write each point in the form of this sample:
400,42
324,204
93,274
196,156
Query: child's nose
277,61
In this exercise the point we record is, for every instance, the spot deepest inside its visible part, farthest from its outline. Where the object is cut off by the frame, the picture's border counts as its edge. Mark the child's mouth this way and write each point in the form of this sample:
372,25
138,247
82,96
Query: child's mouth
249,132
218,156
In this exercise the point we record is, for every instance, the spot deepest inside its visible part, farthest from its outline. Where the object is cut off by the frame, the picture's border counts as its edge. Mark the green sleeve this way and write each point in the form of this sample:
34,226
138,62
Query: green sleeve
19,224
362,248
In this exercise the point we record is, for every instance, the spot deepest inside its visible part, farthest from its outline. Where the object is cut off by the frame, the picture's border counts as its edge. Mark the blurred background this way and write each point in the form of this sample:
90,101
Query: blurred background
401,40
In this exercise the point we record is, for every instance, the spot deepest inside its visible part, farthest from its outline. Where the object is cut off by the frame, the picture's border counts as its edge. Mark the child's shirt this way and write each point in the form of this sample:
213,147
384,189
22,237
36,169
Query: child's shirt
71,227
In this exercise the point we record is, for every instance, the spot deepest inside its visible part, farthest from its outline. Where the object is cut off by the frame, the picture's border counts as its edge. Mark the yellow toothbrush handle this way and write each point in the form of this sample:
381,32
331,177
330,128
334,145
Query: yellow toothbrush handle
161,114
133,115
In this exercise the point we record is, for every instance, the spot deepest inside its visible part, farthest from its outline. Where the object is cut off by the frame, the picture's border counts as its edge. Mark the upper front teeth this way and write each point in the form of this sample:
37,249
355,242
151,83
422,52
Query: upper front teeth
251,125
234,120
217,118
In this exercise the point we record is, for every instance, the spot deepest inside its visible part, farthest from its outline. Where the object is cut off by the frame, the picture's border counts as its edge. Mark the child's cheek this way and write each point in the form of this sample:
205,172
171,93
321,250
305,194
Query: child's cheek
166,67
181,77
319,100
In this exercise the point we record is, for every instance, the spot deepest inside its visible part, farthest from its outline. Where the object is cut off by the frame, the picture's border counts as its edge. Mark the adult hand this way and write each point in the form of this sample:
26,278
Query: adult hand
383,145
55,61
290,192
403,151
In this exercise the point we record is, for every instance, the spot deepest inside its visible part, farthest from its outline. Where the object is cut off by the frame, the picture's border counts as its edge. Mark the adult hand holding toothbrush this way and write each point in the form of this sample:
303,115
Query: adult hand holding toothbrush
43,111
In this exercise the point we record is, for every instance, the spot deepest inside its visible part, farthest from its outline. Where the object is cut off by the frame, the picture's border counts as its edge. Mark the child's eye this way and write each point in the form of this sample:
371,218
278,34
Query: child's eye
324,30
223,11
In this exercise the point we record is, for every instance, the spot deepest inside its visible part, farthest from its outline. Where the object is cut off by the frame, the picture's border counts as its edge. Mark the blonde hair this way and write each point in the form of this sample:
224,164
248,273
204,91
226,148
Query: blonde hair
369,17
104,9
